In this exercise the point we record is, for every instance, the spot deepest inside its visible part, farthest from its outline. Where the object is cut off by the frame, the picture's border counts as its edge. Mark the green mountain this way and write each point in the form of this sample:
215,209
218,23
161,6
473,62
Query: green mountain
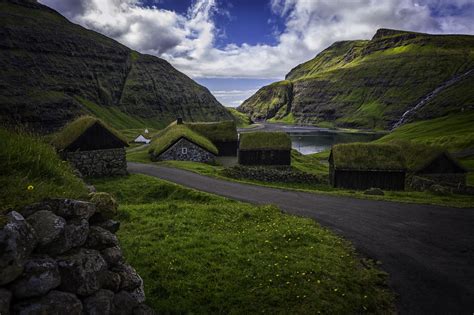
394,78
52,70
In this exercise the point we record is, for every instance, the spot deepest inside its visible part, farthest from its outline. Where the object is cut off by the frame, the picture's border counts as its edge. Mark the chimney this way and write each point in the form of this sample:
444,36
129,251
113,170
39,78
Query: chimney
179,121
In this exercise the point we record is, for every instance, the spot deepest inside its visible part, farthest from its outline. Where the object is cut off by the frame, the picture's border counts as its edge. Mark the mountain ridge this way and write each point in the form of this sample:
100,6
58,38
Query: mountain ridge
371,83
53,70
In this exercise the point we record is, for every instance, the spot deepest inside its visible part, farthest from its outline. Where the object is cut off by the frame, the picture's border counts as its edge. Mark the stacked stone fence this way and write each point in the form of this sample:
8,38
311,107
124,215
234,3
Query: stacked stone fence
62,256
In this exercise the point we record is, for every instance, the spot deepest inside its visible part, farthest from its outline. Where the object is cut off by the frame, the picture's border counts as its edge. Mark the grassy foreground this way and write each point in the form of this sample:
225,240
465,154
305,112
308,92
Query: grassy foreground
201,253
30,171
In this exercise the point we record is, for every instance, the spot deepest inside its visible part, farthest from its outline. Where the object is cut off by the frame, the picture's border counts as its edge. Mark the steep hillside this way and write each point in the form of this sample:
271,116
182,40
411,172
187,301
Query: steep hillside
52,70
371,84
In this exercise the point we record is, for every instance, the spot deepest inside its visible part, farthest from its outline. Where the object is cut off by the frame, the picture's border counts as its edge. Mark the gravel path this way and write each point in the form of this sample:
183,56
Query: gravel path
427,250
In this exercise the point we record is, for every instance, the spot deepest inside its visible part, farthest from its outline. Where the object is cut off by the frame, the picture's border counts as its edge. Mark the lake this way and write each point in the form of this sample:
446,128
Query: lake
317,141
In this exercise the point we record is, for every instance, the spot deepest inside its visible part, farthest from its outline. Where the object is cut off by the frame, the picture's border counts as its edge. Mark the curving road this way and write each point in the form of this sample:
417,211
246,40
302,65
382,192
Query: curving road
427,250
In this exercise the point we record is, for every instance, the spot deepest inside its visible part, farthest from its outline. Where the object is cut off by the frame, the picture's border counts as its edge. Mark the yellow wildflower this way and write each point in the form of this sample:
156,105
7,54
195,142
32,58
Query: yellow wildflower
30,187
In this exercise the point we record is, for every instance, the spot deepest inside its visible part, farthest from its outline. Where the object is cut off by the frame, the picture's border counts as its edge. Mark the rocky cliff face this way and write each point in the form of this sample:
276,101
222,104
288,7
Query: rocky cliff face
371,84
52,70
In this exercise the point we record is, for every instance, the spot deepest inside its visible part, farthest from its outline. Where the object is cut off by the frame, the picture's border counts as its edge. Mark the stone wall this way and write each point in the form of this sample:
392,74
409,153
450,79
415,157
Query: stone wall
193,153
62,257
98,163
282,174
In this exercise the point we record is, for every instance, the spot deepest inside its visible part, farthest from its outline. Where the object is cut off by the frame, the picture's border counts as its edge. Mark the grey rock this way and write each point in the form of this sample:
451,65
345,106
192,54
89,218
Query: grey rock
100,303
91,188
110,280
110,225
100,238
81,271
72,209
54,303
374,192
5,300
33,208
143,309
76,232
17,241
47,226
130,279
112,255
138,293
40,275
124,303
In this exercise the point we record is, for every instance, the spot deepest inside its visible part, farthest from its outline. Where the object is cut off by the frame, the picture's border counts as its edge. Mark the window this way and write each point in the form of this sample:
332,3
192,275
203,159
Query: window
184,150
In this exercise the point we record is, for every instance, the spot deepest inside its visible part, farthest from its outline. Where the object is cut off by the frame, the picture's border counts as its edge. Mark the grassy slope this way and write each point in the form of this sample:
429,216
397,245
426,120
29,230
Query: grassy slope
200,253
26,160
241,119
370,84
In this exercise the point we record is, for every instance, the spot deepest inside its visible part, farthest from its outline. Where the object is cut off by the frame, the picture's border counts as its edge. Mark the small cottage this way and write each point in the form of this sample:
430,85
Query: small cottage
222,134
178,142
433,163
141,139
92,147
367,165
264,148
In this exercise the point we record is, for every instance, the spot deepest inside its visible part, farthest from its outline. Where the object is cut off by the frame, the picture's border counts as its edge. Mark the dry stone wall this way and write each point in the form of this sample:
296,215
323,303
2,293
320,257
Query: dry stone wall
191,152
62,256
98,163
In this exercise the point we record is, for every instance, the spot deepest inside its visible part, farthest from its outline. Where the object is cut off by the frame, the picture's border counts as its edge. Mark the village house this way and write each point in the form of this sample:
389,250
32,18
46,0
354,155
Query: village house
367,165
264,148
92,147
179,142
222,134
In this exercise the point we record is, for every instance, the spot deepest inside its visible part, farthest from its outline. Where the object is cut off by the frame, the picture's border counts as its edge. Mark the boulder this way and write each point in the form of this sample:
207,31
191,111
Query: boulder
17,241
40,275
129,277
124,303
72,209
138,293
100,303
106,206
76,232
143,309
110,225
110,280
35,207
112,255
5,300
81,271
100,238
55,302
47,226
374,192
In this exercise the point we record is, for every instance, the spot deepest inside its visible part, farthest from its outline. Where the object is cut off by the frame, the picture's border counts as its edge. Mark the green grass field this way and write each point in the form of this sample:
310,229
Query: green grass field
30,171
200,253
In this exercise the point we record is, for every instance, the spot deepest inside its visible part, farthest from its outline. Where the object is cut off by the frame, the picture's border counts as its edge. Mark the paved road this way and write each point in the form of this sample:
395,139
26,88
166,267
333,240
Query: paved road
427,250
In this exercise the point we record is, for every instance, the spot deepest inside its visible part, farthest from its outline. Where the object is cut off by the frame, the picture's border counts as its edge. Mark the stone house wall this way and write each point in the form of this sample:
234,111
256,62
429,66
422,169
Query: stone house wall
191,152
98,163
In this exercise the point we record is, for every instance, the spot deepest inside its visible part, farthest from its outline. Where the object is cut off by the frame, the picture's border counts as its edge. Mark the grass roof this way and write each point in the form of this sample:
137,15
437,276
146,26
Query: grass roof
76,128
367,156
172,133
265,141
418,155
216,131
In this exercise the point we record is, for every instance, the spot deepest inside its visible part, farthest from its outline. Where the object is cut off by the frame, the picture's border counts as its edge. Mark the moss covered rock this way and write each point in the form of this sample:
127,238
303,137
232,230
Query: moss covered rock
106,205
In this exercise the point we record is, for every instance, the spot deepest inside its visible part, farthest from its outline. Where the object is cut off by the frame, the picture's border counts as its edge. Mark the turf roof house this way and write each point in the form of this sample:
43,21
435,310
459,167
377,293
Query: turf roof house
179,142
363,166
264,148
222,134
92,147
433,163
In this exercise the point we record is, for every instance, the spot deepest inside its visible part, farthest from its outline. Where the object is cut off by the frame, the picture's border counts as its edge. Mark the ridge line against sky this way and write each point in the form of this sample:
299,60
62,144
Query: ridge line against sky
238,46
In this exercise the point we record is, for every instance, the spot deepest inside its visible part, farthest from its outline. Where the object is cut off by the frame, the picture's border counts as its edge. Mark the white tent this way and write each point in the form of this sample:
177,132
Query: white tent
141,139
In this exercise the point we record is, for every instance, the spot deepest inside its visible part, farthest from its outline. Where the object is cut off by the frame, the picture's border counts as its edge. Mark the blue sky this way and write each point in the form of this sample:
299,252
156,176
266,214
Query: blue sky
234,47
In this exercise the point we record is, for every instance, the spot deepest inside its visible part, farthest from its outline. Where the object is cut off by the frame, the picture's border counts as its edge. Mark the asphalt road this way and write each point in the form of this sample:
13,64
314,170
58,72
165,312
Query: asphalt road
427,250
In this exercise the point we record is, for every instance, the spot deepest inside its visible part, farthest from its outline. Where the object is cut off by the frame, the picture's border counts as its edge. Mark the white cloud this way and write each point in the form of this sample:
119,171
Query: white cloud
187,40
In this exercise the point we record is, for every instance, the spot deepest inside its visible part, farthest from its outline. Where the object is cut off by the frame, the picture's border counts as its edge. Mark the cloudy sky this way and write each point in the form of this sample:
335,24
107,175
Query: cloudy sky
236,46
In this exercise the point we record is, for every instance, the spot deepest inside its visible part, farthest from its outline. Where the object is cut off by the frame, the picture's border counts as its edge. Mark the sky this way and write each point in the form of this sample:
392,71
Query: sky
234,47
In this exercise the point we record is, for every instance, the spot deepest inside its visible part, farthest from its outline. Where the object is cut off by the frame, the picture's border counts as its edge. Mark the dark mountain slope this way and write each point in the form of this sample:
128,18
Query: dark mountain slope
52,70
371,84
